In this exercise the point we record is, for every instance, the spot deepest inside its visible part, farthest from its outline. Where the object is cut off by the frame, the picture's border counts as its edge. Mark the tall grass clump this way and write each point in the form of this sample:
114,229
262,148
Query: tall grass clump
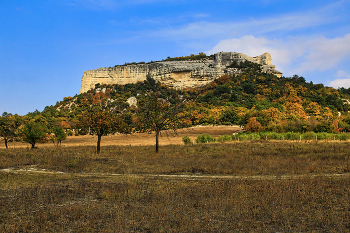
204,138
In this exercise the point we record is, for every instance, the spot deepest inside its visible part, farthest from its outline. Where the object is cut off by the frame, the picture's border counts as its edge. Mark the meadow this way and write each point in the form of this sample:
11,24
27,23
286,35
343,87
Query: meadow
249,186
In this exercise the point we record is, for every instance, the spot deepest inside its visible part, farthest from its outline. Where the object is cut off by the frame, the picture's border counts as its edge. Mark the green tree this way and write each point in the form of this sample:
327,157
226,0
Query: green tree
58,135
230,115
33,132
156,115
8,127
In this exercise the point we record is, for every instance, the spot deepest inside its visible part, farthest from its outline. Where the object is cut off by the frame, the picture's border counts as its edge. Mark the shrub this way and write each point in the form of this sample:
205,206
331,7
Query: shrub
324,136
240,137
309,135
343,136
271,136
224,138
58,135
254,136
204,138
69,133
292,136
187,140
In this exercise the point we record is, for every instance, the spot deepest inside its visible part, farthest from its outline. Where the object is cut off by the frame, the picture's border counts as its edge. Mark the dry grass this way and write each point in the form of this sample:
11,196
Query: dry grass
87,199
245,158
65,203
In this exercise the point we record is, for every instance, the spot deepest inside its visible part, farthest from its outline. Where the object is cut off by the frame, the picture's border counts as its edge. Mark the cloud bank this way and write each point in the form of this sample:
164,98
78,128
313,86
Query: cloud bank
292,55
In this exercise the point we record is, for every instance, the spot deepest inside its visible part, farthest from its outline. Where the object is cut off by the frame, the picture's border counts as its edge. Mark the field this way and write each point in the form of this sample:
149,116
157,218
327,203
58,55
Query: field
253,186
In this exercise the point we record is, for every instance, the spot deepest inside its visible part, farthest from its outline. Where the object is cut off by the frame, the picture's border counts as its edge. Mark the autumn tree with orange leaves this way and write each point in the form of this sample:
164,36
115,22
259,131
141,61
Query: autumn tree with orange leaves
97,120
253,125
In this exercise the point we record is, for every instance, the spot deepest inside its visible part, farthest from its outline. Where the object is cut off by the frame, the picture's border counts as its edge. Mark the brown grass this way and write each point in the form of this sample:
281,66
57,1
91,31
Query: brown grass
51,203
244,158
88,198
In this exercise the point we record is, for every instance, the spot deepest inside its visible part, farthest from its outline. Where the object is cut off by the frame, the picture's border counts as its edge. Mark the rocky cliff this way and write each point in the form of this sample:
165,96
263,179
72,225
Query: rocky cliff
176,74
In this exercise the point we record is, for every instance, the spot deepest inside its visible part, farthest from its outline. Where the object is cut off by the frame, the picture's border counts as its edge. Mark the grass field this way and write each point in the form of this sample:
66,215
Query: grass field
257,186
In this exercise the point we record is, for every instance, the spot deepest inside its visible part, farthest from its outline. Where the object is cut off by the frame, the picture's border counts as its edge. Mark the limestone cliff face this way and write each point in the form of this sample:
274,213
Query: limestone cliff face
176,74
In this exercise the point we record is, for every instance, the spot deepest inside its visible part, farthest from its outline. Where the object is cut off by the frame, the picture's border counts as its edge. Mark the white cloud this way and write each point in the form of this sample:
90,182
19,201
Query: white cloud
340,83
322,53
204,29
293,55
282,22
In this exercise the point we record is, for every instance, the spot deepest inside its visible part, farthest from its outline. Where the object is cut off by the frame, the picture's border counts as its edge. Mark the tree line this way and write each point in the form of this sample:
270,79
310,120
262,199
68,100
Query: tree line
153,114
254,100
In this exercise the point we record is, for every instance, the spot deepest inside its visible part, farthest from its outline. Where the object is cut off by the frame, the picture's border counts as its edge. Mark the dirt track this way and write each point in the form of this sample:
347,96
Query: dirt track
35,170
167,138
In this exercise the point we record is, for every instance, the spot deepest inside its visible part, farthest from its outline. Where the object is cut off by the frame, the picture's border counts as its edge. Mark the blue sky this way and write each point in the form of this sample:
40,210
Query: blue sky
46,45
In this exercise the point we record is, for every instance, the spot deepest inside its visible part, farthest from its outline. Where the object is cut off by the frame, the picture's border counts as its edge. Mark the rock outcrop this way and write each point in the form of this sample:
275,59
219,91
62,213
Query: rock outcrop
176,74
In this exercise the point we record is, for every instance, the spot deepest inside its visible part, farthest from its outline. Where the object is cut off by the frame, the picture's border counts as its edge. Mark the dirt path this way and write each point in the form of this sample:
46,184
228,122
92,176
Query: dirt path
33,170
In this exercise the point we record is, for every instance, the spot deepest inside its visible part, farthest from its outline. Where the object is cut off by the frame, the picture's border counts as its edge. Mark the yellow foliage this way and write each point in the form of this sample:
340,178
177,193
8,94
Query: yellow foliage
253,125
313,108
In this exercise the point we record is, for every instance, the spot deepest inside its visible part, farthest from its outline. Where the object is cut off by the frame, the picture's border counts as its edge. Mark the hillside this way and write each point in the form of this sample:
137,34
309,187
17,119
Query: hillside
179,72
255,100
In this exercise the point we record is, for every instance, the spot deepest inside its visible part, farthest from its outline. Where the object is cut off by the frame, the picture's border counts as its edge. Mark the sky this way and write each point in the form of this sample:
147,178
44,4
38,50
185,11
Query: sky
46,45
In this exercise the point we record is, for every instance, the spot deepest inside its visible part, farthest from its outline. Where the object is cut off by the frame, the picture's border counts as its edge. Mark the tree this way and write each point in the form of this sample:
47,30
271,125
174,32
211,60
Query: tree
33,132
230,115
253,125
97,120
155,115
59,135
8,127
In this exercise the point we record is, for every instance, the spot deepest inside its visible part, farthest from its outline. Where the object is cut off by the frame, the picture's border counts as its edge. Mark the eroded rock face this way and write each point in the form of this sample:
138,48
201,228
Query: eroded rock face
176,74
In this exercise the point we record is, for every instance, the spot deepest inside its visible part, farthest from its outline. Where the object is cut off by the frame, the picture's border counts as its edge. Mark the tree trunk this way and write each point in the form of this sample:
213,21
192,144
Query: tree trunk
33,145
99,136
157,141
6,143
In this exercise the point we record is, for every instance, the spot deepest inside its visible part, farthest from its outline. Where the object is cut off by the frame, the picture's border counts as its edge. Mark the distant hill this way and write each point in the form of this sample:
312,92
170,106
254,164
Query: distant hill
274,103
179,72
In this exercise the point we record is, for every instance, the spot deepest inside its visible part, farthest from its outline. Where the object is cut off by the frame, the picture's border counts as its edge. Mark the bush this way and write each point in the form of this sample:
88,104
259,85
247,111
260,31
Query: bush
224,138
309,135
343,136
271,136
324,136
58,135
240,137
204,138
69,133
291,136
187,140
254,136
